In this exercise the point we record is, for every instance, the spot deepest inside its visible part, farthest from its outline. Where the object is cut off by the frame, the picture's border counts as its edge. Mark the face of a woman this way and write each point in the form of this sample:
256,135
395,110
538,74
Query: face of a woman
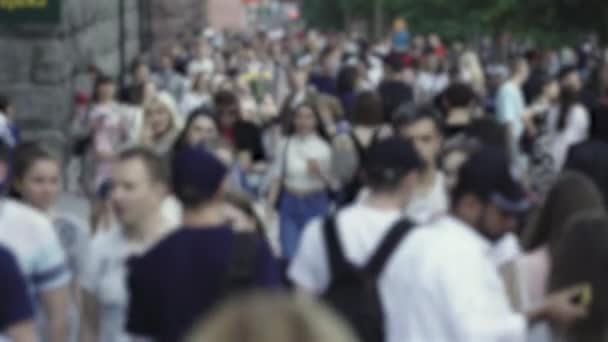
552,90
305,121
106,92
159,120
40,185
201,131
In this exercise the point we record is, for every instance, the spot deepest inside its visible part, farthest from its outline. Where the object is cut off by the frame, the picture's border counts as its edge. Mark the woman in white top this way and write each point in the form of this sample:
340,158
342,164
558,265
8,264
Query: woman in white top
37,183
302,175
199,95
573,123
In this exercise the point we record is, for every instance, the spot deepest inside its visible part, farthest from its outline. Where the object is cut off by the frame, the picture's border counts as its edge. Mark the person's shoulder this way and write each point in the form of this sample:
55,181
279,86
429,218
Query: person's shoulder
24,217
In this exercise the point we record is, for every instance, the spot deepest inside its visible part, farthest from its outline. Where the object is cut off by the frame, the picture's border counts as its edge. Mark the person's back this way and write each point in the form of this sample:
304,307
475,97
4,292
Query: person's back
187,273
361,228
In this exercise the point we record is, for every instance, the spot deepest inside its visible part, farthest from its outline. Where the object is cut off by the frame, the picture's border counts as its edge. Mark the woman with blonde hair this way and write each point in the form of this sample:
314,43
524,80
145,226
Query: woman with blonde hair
471,72
272,318
161,124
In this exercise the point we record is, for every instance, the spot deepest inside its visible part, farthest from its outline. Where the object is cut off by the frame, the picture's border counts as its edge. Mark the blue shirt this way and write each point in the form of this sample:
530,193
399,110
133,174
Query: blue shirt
179,280
15,305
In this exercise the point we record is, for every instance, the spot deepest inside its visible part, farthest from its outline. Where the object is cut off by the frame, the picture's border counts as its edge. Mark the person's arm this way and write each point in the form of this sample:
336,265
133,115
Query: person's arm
24,331
89,327
55,306
561,308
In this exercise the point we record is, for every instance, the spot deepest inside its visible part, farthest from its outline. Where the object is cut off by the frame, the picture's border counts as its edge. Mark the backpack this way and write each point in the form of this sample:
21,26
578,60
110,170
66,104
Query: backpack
353,291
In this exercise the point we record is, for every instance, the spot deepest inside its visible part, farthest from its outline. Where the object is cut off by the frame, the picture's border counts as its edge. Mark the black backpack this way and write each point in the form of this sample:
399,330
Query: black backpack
353,292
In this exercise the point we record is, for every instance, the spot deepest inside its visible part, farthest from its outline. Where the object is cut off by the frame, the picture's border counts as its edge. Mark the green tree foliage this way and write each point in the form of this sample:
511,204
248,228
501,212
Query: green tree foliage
549,22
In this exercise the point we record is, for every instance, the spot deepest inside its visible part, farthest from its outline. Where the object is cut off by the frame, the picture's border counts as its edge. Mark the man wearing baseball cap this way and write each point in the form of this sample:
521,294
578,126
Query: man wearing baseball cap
453,289
362,229
193,268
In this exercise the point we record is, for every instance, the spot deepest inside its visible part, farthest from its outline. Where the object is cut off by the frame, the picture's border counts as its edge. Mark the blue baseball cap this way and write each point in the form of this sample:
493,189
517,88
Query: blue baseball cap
197,174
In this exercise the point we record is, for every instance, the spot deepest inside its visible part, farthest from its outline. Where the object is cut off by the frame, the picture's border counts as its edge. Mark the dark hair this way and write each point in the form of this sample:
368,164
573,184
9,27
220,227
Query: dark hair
25,156
571,194
289,123
489,132
225,98
541,82
137,62
459,95
581,258
367,110
100,81
156,166
347,79
197,113
137,94
5,103
569,98
409,114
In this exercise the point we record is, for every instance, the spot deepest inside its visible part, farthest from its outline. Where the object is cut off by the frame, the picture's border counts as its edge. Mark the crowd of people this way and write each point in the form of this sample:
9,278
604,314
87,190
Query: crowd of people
423,192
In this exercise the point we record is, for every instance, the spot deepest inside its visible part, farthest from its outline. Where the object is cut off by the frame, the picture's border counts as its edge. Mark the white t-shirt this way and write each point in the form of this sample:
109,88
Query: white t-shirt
360,230
576,130
424,208
30,236
300,150
451,288
105,277
32,239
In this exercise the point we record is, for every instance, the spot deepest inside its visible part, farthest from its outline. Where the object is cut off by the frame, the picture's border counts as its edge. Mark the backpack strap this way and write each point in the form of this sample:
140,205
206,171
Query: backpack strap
242,264
388,245
335,253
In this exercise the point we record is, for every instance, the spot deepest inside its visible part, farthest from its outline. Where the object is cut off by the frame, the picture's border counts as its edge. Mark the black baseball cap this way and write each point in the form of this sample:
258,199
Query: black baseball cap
488,174
391,158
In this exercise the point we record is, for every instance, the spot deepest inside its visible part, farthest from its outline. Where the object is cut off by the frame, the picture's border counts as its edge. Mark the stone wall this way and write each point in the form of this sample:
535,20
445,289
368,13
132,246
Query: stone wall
41,63
175,19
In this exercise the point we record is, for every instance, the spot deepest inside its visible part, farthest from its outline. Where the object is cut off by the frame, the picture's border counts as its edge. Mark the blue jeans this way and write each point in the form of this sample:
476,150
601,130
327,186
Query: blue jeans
294,213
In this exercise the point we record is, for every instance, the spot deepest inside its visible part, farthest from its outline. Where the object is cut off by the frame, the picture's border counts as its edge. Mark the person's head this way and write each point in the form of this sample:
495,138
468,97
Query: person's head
421,126
166,62
367,110
572,193
6,106
454,156
570,78
305,120
201,129
458,96
298,78
391,168
520,71
581,258
348,79
548,88
160,114
487,196
105,89
139,186
5,170
227,108
272,318
140,71
202,83
393,65
199,178
36,175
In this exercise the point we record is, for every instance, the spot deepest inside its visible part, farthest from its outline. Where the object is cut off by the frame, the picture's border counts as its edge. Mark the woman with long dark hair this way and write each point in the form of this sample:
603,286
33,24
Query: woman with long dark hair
302,175
573,122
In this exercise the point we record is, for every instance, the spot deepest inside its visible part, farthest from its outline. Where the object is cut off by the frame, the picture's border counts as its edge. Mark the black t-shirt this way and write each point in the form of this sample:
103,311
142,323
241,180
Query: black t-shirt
15,305
180,279
394,94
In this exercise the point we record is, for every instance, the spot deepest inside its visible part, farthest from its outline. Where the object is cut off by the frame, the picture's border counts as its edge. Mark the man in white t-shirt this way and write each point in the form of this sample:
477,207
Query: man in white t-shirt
421,126
391,172
452,290
30,237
